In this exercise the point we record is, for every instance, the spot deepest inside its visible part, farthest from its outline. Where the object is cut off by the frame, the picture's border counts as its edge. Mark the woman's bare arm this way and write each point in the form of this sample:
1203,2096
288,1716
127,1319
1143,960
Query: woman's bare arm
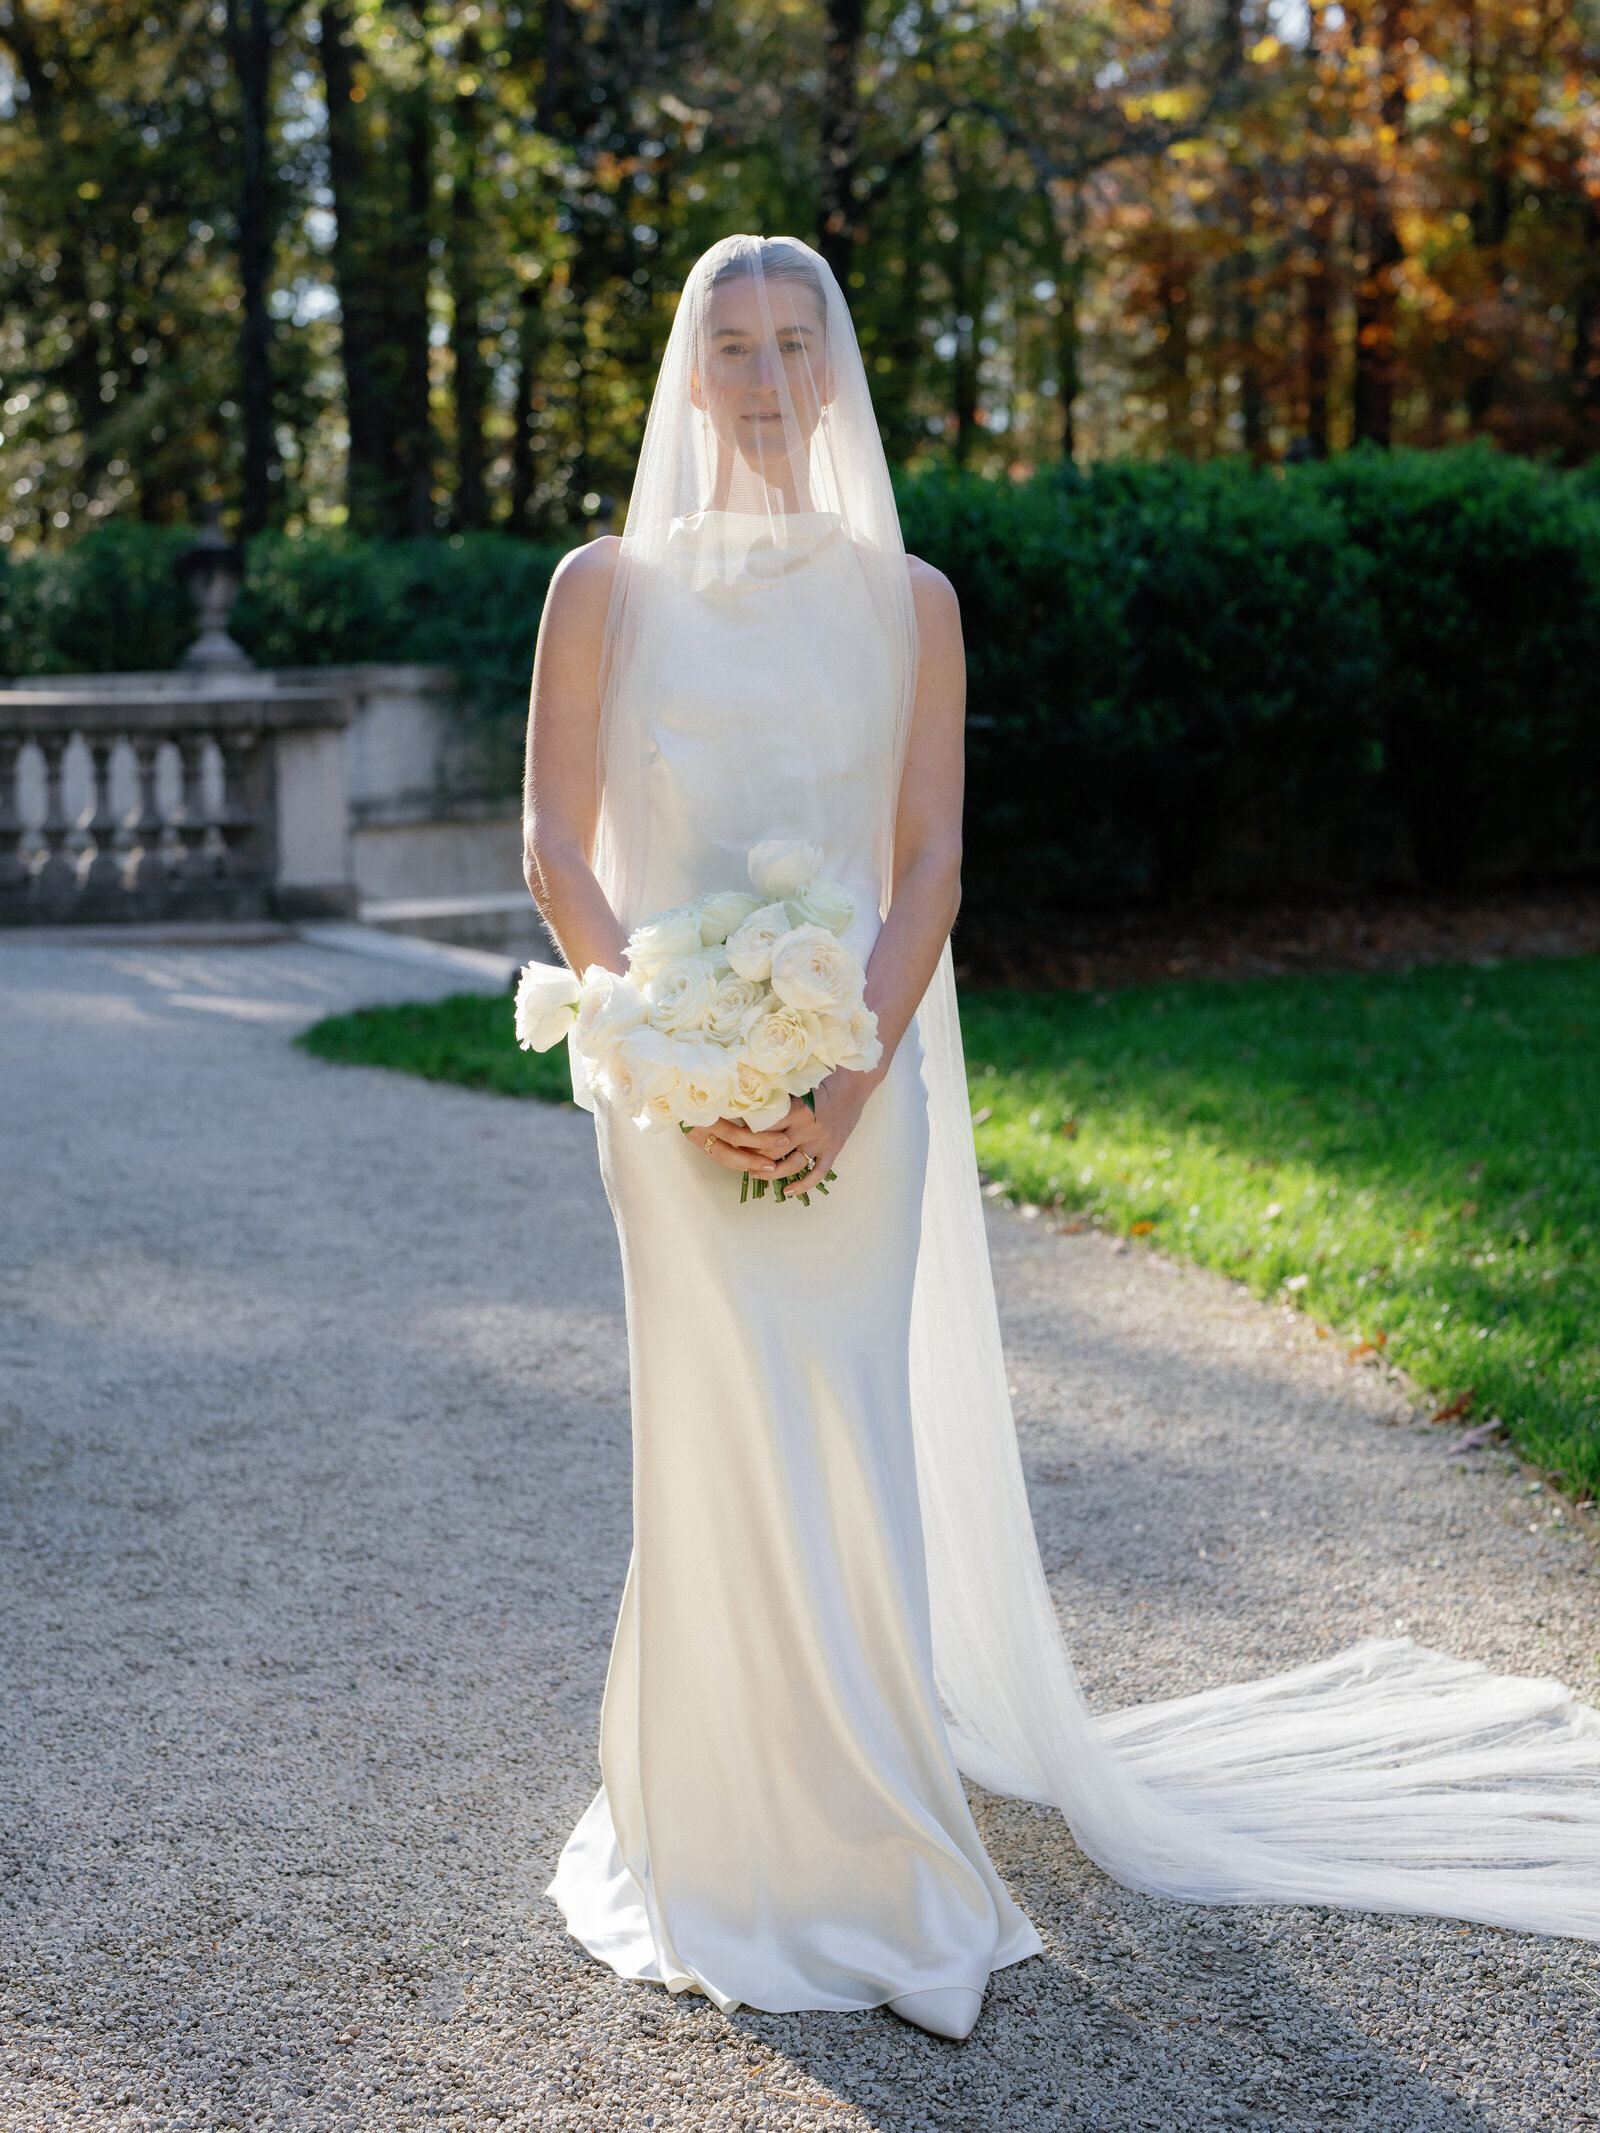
926,892
561,801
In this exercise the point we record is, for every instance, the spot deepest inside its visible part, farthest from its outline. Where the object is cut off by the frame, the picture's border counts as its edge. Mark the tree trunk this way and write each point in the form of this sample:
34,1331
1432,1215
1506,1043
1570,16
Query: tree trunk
79,371
1237,350
1176,312
524,456
380,270
371,475
837,220
1377,287
1246,335
250,48
902,342
1491,225
964,272
1375,305
966,388
1318,333
1069,348
1585,371
552,89
408,273
472,503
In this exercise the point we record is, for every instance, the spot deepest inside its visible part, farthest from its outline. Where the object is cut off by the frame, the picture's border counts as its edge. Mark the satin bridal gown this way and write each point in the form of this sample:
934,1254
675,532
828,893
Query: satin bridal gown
836,1598
781,1821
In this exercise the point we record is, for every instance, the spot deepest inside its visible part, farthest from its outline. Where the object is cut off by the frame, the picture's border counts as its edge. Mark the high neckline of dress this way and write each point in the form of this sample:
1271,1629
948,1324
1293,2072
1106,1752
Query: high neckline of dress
736,549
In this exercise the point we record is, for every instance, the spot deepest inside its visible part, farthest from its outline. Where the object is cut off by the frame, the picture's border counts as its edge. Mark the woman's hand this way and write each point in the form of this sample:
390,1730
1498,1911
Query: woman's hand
803,1145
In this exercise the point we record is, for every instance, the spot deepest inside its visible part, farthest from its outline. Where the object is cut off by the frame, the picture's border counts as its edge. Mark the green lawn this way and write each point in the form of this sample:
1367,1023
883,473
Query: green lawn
1412,1159
468,1037
1415,1160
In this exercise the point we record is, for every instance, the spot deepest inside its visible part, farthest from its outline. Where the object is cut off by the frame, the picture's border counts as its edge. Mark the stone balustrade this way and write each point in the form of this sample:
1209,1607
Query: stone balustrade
160,797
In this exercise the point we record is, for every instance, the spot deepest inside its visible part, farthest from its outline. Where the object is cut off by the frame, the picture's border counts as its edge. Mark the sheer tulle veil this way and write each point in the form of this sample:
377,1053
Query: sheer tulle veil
1386,1778
700,506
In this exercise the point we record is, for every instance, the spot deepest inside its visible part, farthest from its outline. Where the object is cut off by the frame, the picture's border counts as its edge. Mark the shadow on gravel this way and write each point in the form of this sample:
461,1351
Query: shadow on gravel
1093,2038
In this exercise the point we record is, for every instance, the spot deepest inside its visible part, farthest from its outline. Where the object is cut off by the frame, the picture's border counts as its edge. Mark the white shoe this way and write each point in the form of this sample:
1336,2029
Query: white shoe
948,2011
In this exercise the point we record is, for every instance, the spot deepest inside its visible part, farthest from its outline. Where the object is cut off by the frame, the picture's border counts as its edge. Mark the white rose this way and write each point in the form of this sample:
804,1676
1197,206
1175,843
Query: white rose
705,1083
778,867
679,993
812,970
658,1114
610,1007
850,1041
731,1001
639,1070
779,1042
822,903
723,912
669,933
547,1000
750,949
759,1101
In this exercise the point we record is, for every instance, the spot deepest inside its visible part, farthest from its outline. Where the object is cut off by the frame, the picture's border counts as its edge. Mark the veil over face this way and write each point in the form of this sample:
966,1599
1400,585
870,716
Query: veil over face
761,449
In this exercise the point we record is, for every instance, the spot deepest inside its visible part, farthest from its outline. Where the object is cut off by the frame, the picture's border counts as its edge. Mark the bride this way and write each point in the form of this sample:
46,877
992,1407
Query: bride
835,1605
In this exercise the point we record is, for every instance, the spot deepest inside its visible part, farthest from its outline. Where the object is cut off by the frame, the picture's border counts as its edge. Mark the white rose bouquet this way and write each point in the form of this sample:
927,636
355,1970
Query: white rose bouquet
733,1005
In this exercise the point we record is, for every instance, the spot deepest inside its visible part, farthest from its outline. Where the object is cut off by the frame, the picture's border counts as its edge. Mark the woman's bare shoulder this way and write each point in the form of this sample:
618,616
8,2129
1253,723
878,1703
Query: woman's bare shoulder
580,591
934,597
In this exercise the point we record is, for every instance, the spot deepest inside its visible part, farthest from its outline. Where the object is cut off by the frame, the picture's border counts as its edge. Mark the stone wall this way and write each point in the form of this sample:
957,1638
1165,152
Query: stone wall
380,800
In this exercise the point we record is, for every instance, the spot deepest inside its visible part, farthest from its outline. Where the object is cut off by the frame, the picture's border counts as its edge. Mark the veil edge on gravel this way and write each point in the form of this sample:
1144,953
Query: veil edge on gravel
1386,1778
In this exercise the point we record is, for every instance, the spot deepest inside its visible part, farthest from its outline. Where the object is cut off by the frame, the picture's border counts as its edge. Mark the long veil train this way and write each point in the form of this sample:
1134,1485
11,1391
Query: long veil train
1387,1778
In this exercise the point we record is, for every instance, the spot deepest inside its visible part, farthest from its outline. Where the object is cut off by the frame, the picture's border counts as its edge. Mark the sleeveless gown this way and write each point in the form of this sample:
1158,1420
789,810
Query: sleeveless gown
781,1821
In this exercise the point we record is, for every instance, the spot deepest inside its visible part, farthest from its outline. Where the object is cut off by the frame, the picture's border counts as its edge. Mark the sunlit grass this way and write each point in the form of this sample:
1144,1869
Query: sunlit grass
468,1037
1413,1159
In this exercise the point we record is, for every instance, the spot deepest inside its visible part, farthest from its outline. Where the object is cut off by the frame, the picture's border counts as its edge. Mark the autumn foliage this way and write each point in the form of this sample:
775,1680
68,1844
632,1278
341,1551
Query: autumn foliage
360,263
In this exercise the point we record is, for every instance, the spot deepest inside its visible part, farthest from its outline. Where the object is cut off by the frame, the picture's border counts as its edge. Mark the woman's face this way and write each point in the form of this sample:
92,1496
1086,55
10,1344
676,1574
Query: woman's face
754,377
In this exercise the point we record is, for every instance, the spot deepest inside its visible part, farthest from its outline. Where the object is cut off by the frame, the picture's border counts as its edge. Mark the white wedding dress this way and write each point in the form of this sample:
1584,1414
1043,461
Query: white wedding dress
835,1600
782,1821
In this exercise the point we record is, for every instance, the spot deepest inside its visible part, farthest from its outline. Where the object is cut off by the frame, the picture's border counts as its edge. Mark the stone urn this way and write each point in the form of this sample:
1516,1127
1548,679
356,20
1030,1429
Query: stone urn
213,571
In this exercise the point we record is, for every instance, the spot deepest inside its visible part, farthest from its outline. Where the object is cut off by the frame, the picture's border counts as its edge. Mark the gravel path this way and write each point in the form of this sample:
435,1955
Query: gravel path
313,1442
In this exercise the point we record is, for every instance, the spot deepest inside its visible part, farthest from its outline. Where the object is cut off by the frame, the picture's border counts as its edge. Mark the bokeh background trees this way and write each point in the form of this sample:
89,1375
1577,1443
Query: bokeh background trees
404,265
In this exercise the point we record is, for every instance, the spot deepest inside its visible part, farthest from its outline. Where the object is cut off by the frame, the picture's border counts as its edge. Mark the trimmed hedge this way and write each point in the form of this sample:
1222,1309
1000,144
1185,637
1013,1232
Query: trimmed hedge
1207,681
109,604
1486,584
1155,652
1186,681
